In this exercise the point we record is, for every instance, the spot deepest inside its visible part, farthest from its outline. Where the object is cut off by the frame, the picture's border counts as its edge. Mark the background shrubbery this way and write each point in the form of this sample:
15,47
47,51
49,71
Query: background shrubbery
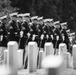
63,10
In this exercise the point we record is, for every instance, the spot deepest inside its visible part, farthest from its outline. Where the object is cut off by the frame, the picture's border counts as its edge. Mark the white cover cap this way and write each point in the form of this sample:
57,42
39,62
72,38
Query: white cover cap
48,20
34,17
3,17
15,13
56,22
72,34
20,15
68,30
40,18
26,14
63,24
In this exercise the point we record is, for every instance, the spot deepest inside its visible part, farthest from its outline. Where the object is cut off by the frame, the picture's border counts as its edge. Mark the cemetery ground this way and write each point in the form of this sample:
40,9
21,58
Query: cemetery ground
42,72
68,71
11,59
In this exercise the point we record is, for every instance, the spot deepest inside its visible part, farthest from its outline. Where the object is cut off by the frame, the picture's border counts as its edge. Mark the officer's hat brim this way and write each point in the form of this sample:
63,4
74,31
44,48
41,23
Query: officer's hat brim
48,20
3,17
72,34
14,14
20,15
64,24
40,18
26,15
34,18
57,23
68,30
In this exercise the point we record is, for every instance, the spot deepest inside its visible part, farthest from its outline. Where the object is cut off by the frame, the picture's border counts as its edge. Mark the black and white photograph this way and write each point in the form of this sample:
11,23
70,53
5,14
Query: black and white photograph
37,37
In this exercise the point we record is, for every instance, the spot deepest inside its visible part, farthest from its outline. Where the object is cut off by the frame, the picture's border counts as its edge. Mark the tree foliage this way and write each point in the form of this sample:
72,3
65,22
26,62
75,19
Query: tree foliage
5,7
63,10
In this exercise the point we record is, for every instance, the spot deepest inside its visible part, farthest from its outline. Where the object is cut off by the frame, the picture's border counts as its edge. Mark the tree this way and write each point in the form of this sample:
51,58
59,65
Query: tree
5,7
63,10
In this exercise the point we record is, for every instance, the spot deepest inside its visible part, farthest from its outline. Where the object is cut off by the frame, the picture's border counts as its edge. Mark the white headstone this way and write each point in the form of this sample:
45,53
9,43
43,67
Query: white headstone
62,49
12,56
49,50
5,57
32,56
67,60
74,56
20,59
53,64
41,56
25,55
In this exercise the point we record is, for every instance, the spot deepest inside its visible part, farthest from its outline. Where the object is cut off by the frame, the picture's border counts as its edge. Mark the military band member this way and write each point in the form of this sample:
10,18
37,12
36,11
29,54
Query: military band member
40,29
35,29
34,25
3,37
72,40
63,31
30,33
19,21
24,30
45,32
57,35
3,31
26,21
50,30
68,32
51,26
13,28
40,25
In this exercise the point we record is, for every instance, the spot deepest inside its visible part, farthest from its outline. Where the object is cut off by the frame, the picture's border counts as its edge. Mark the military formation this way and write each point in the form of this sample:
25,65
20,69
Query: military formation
24,28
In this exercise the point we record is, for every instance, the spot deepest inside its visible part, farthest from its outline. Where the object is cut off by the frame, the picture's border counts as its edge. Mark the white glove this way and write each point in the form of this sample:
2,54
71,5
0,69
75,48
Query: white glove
28,34
63,38
52,37
42,36
21,34
1,37
57,37
47,36
33,37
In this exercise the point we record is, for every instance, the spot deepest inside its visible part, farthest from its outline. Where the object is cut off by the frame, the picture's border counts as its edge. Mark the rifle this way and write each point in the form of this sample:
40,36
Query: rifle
57,38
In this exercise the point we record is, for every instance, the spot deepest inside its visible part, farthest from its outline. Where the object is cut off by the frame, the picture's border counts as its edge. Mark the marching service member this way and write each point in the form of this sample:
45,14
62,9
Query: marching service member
57,35
13,28
23,28
3,31
3,37
23,41
65,35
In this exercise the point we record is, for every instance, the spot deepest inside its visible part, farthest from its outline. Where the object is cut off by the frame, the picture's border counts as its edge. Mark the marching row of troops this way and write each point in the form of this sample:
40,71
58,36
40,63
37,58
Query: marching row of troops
23,28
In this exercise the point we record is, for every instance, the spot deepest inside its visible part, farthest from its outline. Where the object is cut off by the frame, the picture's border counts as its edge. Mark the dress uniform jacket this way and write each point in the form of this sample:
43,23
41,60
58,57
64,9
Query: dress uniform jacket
3,35
25,25
19,27
40,29
24,37
66,40
34,28
57,42
13,31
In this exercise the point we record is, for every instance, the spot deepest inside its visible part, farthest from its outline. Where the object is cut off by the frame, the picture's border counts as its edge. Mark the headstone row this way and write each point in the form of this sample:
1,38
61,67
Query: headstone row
14,57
